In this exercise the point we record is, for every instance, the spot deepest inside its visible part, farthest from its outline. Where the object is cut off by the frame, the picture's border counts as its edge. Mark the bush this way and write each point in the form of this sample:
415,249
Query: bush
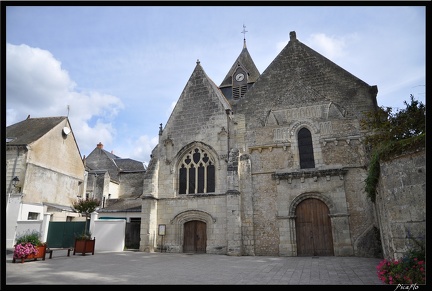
392,134
29,237
83,236
410,269
26,244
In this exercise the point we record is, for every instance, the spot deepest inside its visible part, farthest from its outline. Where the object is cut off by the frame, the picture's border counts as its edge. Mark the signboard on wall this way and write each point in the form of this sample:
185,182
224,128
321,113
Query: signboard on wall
161,229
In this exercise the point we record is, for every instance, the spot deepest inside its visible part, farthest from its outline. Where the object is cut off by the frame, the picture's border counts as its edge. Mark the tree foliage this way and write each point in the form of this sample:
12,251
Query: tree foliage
86,206
392,133
395,132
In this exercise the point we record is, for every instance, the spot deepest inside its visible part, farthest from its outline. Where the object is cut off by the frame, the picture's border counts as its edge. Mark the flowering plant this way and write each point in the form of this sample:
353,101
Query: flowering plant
404,271
410,269
22,250
26,244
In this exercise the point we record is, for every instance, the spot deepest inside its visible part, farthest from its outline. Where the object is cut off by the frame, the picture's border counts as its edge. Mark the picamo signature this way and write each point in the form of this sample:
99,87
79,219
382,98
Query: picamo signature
407,287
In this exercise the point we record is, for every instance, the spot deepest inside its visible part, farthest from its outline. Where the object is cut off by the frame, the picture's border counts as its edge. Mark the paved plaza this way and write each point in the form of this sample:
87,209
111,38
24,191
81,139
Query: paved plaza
139,268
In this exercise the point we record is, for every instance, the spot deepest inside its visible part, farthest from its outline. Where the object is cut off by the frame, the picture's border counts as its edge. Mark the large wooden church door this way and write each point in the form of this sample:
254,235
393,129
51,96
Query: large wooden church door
313,229
195,237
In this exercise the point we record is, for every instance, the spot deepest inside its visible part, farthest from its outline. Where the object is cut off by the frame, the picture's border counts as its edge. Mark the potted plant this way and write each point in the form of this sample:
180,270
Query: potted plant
29,247
83,242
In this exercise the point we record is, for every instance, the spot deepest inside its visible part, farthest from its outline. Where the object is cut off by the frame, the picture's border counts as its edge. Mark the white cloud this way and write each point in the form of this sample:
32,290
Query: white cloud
139,149
331,47
36,85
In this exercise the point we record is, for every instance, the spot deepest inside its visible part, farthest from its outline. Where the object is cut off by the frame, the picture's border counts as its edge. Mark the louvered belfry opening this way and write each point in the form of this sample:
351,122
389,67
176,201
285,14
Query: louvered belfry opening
239,91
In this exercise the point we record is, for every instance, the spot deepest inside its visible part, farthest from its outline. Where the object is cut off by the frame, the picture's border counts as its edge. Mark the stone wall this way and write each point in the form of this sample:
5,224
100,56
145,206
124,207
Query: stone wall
211,210
401,203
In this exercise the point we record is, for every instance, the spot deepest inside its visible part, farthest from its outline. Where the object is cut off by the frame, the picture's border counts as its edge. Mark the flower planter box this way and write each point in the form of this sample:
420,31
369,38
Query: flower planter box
40,255
84,246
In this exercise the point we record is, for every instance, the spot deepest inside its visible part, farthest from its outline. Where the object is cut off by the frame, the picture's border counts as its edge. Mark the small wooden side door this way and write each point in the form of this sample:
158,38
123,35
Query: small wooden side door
195,237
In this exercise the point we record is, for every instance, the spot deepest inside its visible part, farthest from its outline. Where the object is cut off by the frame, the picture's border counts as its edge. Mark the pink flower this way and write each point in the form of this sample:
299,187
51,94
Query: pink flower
23,250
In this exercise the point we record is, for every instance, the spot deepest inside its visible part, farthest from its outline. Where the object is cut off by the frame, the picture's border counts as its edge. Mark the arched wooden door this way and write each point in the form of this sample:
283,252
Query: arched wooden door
313,229
195,237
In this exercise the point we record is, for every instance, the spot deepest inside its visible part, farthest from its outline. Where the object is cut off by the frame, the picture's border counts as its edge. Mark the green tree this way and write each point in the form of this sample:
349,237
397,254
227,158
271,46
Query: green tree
388,126
391,134
86,207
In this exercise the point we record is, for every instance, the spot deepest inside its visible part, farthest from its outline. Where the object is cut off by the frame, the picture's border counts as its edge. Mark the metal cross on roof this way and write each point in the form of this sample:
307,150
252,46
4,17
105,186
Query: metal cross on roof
244,32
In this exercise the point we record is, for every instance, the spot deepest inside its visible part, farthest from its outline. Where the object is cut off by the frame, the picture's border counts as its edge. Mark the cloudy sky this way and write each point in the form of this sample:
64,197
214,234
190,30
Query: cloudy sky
117,71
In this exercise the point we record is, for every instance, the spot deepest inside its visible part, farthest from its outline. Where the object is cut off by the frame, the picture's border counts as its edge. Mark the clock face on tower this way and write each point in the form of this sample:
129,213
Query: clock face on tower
239,77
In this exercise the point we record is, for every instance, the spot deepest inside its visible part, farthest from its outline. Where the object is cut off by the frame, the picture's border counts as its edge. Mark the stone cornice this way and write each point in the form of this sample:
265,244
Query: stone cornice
310,173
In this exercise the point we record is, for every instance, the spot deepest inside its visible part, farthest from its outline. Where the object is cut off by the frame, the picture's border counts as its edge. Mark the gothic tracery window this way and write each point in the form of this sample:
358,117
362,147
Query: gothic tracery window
196,173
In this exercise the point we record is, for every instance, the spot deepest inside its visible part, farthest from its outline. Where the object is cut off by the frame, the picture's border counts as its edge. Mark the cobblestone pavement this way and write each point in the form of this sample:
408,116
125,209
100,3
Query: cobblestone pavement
139,268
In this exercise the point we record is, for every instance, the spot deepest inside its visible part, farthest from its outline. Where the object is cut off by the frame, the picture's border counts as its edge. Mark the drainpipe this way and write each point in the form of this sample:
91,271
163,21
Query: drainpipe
228,111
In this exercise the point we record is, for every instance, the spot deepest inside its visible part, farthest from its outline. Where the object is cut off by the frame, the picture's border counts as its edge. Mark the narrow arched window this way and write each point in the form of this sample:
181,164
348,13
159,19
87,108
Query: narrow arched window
305,149
196,173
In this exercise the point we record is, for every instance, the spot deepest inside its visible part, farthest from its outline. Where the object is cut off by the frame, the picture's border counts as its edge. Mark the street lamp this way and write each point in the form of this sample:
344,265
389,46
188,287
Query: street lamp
15,181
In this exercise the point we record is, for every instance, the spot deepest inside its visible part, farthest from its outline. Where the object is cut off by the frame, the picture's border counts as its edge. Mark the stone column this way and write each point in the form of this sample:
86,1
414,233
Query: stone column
148,224
245,188
233,227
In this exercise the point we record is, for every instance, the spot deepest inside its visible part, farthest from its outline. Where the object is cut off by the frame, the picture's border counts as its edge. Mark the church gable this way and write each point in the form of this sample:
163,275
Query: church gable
300,75
200,109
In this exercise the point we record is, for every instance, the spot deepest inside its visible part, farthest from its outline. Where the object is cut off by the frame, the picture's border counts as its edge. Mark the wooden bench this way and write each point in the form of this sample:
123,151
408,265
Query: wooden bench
50,251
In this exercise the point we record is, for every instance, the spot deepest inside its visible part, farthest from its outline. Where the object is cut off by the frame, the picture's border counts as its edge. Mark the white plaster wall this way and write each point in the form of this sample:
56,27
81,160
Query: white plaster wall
109,234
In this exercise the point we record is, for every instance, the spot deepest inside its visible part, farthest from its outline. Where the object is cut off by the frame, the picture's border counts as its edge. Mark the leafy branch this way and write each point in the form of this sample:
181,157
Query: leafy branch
392,134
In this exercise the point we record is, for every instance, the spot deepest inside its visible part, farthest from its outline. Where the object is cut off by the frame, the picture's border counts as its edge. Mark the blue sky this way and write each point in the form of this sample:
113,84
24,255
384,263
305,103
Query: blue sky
121,69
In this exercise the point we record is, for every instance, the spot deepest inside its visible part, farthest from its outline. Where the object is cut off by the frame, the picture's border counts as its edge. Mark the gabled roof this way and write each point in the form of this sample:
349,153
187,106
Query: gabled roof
102,160
129,165
210,95
31,129
123,205
111,155
245,60
300,73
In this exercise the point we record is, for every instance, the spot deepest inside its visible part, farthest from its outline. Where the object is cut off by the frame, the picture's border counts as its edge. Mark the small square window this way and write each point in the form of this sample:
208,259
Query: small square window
33,216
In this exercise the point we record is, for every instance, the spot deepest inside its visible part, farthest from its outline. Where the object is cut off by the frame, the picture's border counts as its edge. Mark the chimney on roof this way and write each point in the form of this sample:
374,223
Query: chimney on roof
293,35
99,145
28,116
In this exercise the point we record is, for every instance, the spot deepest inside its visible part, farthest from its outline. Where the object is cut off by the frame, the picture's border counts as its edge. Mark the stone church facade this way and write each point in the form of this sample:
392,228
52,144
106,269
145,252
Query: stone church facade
264,164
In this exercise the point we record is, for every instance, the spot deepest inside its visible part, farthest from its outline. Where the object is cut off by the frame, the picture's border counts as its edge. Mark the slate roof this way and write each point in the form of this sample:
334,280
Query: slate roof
111,163
31,129
300,73
129,165
246,61
209,94
123,205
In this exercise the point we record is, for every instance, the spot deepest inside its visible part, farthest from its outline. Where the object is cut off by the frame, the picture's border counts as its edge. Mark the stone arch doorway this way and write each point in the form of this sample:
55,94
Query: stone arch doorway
194,237
313,229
